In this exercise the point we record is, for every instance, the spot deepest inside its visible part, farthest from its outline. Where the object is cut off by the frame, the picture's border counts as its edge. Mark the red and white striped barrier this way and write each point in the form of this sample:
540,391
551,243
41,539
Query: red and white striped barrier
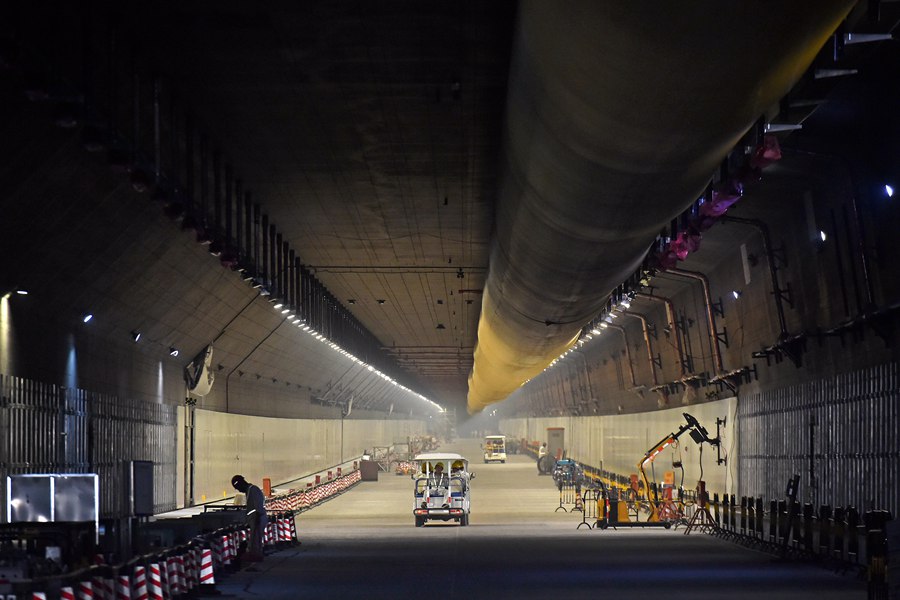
207,576
140,583
66,593
85,591
109,588
293,524
97,588
38,596
123,588
172,573
183,583
154,584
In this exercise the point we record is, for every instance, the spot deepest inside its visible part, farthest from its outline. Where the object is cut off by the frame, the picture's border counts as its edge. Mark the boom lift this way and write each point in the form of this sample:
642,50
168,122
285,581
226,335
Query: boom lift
698,433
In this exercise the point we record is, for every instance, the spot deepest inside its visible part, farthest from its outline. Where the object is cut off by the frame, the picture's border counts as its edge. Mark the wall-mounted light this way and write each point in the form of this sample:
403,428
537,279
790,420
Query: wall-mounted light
173,351
822,235
22,292
135,336
889,190
736,293
86,317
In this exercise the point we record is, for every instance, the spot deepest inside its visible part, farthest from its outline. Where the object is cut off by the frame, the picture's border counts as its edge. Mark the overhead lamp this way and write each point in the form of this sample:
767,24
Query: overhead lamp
278,305
822,235
604,325
285,311
25,292
888,189
380,301
86,317
173,351
595,331
135,336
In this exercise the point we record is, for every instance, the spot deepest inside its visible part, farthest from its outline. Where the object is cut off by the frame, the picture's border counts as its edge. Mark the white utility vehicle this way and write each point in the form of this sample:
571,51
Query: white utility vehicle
494,448
441,488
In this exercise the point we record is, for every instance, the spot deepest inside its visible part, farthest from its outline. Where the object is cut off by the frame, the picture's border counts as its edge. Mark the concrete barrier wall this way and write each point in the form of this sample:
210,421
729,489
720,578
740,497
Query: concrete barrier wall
618,442
280,449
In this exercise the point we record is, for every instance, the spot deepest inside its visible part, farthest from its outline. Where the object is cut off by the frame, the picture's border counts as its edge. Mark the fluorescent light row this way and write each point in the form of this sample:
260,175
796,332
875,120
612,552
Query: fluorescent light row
303,326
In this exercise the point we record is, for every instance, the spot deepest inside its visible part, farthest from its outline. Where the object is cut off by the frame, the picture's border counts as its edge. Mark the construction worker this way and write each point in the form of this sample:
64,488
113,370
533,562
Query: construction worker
438,477
257,519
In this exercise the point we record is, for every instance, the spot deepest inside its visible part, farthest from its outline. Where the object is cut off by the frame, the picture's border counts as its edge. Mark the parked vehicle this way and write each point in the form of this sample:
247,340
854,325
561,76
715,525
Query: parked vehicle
568,472
441,490
494,448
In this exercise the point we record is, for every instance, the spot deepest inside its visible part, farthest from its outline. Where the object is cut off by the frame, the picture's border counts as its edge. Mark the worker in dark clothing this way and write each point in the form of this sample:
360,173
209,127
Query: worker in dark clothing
257,518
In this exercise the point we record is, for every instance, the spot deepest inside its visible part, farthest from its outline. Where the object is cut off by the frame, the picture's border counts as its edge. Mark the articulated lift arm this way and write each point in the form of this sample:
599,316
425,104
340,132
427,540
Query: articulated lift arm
698,434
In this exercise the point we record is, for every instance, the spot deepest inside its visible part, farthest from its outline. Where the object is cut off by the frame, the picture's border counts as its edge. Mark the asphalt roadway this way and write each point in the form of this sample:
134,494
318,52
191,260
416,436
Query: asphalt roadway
363,544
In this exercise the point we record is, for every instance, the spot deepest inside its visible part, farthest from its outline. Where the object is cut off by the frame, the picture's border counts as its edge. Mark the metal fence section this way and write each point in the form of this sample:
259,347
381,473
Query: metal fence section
841,433
51,429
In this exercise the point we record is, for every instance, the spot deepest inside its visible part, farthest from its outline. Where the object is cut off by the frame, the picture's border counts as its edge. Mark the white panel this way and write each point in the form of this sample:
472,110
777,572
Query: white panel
280,449
618,442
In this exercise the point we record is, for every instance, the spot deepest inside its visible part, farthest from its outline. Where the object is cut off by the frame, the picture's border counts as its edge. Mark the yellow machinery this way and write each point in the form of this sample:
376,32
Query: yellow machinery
697,432
662,513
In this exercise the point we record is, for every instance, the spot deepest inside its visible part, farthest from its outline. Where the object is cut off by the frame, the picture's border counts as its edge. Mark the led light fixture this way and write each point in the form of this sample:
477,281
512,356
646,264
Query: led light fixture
173,351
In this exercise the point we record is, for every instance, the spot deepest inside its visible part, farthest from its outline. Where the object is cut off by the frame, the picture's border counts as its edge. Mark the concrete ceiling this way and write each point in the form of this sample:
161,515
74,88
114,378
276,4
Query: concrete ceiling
369,132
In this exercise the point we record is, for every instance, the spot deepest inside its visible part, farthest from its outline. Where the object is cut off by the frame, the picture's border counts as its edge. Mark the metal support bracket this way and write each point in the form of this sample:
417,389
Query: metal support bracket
718,308
784,294
722,336
657,360
779,256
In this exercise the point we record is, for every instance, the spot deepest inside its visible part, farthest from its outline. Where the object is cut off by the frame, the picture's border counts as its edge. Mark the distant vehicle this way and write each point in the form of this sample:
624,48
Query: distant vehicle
494,448
441,488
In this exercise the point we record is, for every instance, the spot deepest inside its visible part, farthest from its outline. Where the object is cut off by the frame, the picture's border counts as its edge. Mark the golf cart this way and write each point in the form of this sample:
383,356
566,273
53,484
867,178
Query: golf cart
441,488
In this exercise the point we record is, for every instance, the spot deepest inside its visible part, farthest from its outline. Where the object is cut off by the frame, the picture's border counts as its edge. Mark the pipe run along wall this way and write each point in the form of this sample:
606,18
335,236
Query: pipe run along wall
617,117
280,449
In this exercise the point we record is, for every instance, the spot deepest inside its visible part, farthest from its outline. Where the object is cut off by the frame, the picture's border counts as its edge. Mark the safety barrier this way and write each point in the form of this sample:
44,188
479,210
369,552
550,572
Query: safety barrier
300,500
186,570
839,538
569,494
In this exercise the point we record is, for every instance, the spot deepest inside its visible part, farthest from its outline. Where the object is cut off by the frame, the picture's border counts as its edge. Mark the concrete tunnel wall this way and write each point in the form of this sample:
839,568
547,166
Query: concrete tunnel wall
277,448
618,442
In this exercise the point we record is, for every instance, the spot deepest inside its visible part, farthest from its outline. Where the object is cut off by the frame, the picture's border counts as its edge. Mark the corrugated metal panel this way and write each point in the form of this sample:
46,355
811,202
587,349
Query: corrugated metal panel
839,434
51,429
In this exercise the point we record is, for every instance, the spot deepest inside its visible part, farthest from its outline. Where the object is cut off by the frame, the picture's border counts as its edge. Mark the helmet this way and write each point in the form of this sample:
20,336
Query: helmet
439,465
457,465
237,481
